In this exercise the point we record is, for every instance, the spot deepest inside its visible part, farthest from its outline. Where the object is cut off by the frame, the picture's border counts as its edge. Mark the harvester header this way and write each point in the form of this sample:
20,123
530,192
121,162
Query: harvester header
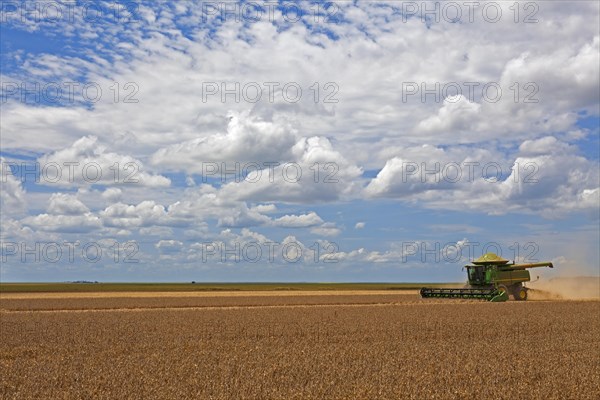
491,278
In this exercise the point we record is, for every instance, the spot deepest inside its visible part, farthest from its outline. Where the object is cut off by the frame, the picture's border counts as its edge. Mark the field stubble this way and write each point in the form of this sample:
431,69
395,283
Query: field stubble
299,347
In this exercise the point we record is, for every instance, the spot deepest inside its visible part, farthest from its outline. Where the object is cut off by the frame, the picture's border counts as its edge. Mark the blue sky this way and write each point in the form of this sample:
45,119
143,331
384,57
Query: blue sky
157,98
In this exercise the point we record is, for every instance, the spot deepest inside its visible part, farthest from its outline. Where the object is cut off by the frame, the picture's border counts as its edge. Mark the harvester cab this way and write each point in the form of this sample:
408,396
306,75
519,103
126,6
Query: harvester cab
491,278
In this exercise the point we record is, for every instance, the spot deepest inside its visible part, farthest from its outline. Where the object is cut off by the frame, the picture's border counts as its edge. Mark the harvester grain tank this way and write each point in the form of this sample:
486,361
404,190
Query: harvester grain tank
491,278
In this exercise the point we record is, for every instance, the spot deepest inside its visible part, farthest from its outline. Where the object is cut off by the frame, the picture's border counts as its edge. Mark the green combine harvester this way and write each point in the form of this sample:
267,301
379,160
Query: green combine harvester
491,278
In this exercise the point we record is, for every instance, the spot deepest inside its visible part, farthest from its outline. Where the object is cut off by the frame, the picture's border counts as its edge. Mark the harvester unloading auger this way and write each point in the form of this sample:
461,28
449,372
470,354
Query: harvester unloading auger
491,278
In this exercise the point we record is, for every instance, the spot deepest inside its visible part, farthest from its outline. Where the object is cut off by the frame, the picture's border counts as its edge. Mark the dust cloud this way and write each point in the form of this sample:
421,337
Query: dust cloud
565,288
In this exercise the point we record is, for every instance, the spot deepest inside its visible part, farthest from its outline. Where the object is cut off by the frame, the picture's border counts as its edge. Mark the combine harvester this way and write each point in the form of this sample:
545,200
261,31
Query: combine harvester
491,278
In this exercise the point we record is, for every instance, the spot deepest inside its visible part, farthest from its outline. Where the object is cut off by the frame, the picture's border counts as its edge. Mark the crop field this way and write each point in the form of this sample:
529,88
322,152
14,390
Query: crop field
295,345
201,287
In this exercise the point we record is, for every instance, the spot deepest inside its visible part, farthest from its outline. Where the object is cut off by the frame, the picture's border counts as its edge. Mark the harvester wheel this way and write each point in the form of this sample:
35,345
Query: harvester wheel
521,294
502,288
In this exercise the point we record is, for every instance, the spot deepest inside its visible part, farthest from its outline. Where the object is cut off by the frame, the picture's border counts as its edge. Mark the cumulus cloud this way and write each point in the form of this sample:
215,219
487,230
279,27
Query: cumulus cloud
317,173
112,194
326,229
536,181
88,162
66,204
248,140
66,214
64,223
264,208
456,114
144,214
298,221
169,246
12,194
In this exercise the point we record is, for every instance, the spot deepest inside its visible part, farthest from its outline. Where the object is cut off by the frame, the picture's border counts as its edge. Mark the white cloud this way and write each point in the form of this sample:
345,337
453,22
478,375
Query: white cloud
162,231
317,173
248,140
64,223
298,221
456,114
264,208
538,181
65,213
144,214
112,194
12,194
88,162
169,246
66,204
326,229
